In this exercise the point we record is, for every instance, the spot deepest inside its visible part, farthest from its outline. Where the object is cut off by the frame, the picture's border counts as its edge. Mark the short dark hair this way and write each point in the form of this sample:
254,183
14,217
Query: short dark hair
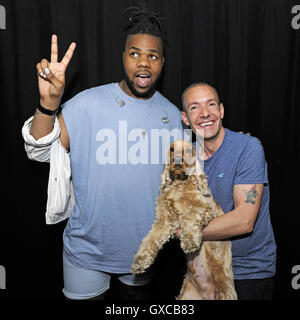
197,84
143,20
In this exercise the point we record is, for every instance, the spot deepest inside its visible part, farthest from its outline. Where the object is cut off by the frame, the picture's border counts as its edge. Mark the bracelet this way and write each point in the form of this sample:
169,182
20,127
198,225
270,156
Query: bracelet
47,111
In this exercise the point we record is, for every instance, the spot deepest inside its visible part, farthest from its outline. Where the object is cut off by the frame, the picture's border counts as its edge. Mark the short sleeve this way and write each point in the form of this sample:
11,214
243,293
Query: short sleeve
75,111
252,167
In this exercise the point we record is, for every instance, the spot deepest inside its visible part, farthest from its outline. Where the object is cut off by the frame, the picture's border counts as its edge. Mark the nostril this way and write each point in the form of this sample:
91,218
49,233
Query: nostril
178,160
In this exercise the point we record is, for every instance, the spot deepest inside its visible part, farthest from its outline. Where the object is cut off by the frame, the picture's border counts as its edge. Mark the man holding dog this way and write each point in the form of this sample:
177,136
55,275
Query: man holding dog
109,220
237,176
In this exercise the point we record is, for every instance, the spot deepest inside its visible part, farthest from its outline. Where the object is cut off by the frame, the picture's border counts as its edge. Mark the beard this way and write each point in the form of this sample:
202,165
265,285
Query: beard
138,94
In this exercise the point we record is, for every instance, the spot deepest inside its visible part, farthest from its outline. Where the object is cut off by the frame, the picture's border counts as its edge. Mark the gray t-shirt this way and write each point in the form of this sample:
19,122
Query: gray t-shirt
241,160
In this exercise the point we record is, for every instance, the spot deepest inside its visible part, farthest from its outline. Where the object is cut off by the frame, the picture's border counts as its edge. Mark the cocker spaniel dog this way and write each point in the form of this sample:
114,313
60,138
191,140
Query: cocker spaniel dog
186,203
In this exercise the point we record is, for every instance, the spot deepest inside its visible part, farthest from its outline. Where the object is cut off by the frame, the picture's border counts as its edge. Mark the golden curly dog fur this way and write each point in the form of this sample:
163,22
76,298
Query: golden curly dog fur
186,203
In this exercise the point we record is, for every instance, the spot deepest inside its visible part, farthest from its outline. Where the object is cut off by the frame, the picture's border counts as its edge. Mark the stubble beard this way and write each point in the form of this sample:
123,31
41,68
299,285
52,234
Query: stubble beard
144,95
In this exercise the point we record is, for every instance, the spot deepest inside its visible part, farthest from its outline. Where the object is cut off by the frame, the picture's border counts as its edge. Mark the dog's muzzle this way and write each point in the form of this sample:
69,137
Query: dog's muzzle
178,161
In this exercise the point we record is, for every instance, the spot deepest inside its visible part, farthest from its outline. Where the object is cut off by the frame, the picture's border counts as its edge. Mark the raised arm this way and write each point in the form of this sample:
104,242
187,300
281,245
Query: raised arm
241,220
51,83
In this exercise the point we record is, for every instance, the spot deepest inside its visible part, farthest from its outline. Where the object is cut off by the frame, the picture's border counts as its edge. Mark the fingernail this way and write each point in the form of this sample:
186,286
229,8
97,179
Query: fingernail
43,75
47,71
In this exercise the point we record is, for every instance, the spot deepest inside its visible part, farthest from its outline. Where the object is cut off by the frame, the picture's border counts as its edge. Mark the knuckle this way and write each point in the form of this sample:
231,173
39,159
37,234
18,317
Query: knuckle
44,62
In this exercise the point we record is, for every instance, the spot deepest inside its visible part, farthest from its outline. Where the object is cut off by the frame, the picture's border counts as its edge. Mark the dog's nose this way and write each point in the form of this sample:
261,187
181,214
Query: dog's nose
178,160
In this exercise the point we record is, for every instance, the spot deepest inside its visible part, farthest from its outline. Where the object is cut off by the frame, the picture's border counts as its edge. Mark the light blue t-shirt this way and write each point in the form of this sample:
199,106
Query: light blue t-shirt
241,160
116,169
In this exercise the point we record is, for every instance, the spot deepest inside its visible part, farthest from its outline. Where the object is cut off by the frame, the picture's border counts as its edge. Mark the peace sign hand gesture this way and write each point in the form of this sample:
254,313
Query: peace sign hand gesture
51,76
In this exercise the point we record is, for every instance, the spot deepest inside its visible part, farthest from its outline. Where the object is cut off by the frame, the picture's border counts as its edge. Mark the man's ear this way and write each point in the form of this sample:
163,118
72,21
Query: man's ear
184,118
222,110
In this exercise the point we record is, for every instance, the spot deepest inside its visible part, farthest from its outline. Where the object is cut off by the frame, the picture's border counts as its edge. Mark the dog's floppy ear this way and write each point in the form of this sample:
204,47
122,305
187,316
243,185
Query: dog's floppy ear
201,180
195,169
203,184
165,178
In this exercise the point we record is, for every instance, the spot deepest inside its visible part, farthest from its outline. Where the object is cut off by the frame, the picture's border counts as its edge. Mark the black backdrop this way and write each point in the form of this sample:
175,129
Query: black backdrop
247,49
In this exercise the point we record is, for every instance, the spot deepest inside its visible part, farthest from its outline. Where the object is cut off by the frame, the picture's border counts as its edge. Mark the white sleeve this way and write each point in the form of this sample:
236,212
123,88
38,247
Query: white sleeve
39,150
61,196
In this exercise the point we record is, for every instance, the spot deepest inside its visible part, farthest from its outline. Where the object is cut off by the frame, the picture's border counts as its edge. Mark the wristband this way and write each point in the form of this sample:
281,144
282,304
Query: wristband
47,111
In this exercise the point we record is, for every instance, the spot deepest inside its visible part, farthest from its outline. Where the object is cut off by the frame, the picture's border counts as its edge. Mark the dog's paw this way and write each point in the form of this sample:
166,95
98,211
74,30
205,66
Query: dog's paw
141,263
188,248
189,245
137,268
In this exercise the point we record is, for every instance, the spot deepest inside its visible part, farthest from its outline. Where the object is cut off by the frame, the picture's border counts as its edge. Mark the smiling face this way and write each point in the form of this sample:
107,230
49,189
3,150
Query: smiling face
143,61
203,112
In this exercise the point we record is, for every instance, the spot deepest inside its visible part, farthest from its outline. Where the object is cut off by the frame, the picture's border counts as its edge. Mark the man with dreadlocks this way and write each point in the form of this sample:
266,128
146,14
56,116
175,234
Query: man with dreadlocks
115,198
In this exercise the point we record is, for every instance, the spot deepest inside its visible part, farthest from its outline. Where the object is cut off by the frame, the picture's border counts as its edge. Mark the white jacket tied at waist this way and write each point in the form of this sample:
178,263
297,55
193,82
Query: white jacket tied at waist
61,196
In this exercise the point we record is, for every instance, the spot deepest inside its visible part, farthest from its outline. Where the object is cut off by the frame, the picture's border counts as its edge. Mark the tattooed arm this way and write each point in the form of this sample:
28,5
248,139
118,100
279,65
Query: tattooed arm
241,220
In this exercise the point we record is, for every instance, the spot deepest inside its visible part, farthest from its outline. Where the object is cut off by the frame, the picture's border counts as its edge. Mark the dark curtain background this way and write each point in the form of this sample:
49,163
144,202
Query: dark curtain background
247,49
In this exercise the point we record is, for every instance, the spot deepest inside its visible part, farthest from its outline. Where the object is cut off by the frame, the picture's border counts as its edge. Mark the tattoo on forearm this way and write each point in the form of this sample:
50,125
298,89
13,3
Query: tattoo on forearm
251,195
